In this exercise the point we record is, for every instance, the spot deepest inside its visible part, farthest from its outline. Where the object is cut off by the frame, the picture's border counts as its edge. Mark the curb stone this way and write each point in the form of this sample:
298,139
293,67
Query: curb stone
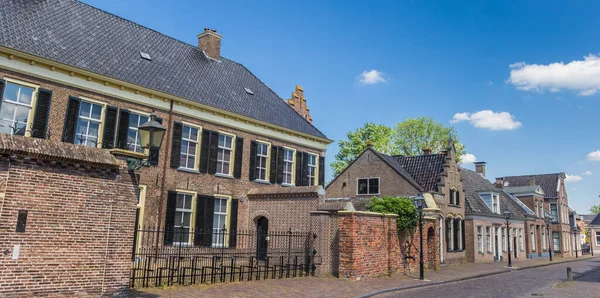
397,289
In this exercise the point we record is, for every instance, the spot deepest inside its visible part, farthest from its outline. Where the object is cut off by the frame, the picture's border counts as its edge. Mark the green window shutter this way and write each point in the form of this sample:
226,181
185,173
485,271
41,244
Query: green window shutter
170,217
252,170
42,114
273,166
110,122
239,155
233,224
123,130
71,118
322,171
176,144
205,207
212,153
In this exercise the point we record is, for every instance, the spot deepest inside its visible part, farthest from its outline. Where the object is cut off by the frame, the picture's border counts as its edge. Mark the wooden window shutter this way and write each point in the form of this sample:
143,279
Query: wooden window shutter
305,169
462,230
71,118
170,217
280,165
455,231
176,144
239,155
233,224
212,153
110,123
205,206
123,130
204,149
154,152
42,114
299,168
448,233
252,170
273,167
322,170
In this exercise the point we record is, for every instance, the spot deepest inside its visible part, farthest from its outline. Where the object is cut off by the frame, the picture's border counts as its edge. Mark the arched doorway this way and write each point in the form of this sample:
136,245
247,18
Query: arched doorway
262,232
431,253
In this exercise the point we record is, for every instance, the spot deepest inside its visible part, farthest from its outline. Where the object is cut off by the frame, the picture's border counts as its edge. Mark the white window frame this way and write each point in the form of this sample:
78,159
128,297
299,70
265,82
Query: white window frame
368,186
313,169
89,119
187,153
544,247
217,232
31,107
597,238
480,239
221,162
191,211
488,239
135,129
503,231
459,233
521,239
450,229
267,160
554,215
554,243
292,164
496,202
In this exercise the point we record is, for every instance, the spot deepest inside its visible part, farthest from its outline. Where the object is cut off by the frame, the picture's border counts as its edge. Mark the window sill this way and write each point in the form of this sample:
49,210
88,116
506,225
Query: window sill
188,170
262,182
368,194
452,205
287,185
480,253
224,176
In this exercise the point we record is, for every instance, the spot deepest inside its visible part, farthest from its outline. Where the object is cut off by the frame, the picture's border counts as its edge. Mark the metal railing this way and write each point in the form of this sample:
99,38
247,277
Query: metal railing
192,257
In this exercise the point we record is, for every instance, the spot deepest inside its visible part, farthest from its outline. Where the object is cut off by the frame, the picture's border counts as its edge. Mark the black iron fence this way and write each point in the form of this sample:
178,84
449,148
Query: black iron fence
183,257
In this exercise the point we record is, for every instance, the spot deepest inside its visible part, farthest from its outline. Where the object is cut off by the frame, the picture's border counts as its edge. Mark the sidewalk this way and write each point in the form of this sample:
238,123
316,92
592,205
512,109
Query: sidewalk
334,287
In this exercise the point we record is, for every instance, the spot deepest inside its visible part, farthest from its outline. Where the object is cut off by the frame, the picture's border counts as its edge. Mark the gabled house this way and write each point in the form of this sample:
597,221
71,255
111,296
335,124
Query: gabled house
594,234
489,238
435,176
555,201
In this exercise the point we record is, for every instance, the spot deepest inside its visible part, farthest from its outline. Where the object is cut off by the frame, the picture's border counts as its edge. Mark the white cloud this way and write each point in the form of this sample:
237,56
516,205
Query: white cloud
371,77
573,178
488,119
587,173
582,76
468,158
490,83
594,156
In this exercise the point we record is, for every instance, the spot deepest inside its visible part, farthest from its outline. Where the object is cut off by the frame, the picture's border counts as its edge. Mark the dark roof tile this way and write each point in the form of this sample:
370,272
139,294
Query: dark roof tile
548,182
474,183
425,169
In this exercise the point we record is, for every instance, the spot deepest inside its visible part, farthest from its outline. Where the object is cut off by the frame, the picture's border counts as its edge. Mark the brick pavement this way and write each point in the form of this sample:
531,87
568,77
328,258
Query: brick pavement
334,287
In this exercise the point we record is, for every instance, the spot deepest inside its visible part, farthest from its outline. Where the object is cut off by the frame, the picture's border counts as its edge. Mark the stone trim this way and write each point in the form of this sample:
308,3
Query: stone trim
365,213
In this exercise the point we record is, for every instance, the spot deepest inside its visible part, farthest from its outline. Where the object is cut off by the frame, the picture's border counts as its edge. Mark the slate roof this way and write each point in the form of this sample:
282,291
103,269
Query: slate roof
587,217
474,183
596,220
425,169
522,189
88,38
548,182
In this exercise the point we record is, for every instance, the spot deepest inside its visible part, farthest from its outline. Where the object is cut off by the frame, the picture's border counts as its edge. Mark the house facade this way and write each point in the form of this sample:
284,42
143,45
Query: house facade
594,234
435,176
489,238
555,201
94,78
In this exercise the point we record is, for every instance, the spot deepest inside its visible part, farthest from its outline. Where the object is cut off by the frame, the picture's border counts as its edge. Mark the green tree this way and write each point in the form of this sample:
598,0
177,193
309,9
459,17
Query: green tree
595,209
404,207
412,135
378,135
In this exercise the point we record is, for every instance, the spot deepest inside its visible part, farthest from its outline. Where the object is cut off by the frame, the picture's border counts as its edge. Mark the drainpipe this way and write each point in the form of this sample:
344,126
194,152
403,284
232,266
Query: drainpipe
161,201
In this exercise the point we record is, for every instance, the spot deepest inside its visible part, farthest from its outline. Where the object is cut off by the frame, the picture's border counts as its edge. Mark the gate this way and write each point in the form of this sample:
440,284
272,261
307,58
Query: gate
228,256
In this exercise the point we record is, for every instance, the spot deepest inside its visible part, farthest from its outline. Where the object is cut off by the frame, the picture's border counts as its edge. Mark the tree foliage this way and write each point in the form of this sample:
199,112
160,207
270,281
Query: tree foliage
404,207
595,209
407,138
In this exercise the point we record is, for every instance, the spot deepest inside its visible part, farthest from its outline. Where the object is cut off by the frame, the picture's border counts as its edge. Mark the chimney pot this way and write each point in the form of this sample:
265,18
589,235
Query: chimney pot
210,42
480,168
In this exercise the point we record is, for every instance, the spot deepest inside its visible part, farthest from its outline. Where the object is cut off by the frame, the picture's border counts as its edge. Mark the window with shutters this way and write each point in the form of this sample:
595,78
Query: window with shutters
221,221
479,240
16,112
458,228
503,239
184,215
368,186
89,123
544,240
313,169
262,161
532,237
289,167
133,137
224,154
488,239
449,234
188,158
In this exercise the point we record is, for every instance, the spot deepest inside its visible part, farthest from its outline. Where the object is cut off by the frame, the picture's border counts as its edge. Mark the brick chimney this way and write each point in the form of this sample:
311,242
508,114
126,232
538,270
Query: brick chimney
532,182
210,42
480,168
298,103
426,151
499,183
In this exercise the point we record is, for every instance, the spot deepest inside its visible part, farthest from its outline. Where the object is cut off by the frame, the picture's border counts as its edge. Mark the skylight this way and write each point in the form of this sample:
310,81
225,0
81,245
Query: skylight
248,91
145,56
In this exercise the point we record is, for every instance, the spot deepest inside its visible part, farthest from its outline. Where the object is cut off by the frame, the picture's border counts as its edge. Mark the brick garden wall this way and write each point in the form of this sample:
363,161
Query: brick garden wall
79,230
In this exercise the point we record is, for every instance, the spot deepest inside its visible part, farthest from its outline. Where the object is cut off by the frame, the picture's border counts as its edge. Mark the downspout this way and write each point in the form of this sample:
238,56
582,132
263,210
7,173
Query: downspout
107,246
164,172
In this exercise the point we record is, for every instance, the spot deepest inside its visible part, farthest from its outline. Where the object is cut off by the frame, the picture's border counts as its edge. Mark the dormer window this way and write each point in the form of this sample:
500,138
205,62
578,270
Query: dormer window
492,200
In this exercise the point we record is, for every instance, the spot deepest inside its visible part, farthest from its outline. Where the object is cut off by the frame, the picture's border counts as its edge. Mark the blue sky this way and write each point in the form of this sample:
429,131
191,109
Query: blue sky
533,60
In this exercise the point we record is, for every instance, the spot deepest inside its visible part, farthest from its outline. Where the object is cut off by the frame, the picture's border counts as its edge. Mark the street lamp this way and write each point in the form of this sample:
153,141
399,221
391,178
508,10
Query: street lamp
420,204
548,220
151,135
575,230
507,217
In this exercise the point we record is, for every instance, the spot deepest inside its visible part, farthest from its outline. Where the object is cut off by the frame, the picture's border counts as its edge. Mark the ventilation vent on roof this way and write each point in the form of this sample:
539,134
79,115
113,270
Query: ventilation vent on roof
248,91
145,56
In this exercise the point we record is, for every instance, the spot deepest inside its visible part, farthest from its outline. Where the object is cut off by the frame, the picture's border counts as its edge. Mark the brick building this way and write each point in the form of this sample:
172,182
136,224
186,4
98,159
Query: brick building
556,202
488,237
435,176
594,234
90,78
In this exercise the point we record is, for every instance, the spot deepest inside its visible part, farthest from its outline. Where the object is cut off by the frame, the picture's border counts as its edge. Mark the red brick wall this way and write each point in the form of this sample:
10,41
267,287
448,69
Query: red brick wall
283,213
79,231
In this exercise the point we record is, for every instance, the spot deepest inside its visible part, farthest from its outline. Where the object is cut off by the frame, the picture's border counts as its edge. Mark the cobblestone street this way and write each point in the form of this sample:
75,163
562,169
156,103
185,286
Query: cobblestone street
504,284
